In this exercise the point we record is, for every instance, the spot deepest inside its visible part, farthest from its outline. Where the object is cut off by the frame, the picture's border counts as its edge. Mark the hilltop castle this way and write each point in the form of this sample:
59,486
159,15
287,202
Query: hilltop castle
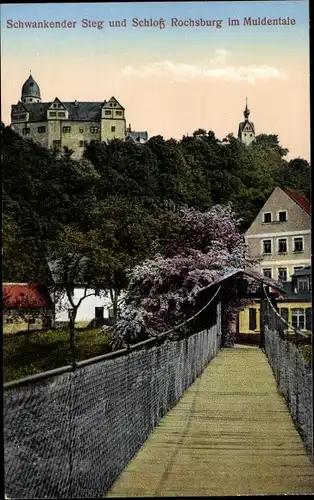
58,124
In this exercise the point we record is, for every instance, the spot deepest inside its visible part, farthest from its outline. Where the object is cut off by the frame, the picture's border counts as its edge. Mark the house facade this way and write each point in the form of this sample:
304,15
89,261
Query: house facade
26,307
61,124
280,238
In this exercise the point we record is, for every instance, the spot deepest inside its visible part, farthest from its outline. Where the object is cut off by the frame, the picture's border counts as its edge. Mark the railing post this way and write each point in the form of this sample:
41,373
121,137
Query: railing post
262,323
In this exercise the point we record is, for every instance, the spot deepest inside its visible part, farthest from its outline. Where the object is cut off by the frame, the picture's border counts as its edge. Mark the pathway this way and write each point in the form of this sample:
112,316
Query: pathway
230,434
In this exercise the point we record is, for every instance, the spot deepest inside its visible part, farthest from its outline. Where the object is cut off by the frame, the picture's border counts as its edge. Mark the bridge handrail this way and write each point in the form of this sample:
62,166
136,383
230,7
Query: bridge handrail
111,355
298,332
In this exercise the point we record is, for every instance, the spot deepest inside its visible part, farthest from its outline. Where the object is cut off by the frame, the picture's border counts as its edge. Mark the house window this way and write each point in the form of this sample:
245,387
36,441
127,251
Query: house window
31,100
282,245
41,130
284,312
266,246
303,284
59,105
267,217
299,268
118,113
81,130
83,143
298,318
267,272
56,145
26,131
66,130
108,112
282,216
61,114
298,244
31,321
94,130
282,274
113,129
54,105
9,321
252,318
114,104
52,113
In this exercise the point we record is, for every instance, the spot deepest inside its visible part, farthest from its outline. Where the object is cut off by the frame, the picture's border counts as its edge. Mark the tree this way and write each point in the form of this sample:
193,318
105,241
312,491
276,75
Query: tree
164,290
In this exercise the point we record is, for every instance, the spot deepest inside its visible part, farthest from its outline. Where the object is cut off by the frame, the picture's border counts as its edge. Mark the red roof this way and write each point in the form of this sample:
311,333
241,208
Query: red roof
299,199
26,296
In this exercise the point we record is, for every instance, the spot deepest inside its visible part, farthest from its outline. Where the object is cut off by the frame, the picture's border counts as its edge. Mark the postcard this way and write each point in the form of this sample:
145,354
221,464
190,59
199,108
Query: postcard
157,310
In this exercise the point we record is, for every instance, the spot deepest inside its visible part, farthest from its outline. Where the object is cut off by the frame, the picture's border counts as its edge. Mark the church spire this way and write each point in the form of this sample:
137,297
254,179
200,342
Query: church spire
246,111
246,131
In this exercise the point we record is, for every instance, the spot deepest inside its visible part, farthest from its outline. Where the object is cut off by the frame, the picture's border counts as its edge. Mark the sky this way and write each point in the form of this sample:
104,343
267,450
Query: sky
170,79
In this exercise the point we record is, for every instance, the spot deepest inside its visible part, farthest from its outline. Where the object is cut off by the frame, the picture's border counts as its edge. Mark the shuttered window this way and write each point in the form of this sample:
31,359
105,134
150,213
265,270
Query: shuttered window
308,318
252,318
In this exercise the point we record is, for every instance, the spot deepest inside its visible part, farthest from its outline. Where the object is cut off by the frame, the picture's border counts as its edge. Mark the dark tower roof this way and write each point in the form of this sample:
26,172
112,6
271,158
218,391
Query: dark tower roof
246,111
31,88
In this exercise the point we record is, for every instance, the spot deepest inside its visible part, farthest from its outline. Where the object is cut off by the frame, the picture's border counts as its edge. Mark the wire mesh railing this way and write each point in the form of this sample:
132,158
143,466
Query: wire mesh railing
293,375
71,434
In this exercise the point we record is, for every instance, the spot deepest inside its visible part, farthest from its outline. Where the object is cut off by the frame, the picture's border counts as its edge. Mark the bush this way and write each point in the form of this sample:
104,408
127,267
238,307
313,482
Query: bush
47,350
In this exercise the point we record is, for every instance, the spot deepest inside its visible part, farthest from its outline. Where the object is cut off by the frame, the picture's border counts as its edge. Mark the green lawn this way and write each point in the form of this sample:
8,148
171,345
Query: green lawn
49,349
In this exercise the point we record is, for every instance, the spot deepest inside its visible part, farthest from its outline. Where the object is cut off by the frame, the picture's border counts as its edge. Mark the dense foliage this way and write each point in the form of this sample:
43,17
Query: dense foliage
124,203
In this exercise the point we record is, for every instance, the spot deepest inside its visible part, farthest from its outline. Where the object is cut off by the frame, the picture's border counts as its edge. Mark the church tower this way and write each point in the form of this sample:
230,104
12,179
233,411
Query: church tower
246,132
30,91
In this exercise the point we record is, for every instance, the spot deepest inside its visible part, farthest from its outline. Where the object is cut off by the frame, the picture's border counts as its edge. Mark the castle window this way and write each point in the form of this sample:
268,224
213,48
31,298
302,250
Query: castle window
41,130
113,129
61,114
52,113
83,143
66,130
81,130
118,113
94,130
108,112
26,131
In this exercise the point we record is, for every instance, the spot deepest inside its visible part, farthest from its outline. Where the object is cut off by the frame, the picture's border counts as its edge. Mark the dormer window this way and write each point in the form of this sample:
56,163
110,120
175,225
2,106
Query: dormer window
267,217
303,284
282,216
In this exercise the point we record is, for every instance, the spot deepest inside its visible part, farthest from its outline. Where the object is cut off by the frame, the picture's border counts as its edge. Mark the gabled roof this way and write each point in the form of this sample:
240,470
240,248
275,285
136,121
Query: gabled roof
26,296
299,199
243,124
138,136
233,271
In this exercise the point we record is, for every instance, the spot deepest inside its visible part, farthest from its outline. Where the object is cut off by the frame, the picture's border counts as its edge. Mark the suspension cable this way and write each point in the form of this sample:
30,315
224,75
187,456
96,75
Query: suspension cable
190,319
279,316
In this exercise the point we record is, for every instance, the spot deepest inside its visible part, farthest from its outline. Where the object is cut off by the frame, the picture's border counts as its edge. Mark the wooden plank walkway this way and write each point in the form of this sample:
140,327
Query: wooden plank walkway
230,434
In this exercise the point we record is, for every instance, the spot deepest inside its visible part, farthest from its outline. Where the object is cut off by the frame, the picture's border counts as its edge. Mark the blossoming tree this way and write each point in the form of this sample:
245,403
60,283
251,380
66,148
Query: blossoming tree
162,290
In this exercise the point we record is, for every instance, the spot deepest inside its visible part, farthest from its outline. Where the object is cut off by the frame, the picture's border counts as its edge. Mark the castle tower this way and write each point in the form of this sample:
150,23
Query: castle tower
246,132
30,91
